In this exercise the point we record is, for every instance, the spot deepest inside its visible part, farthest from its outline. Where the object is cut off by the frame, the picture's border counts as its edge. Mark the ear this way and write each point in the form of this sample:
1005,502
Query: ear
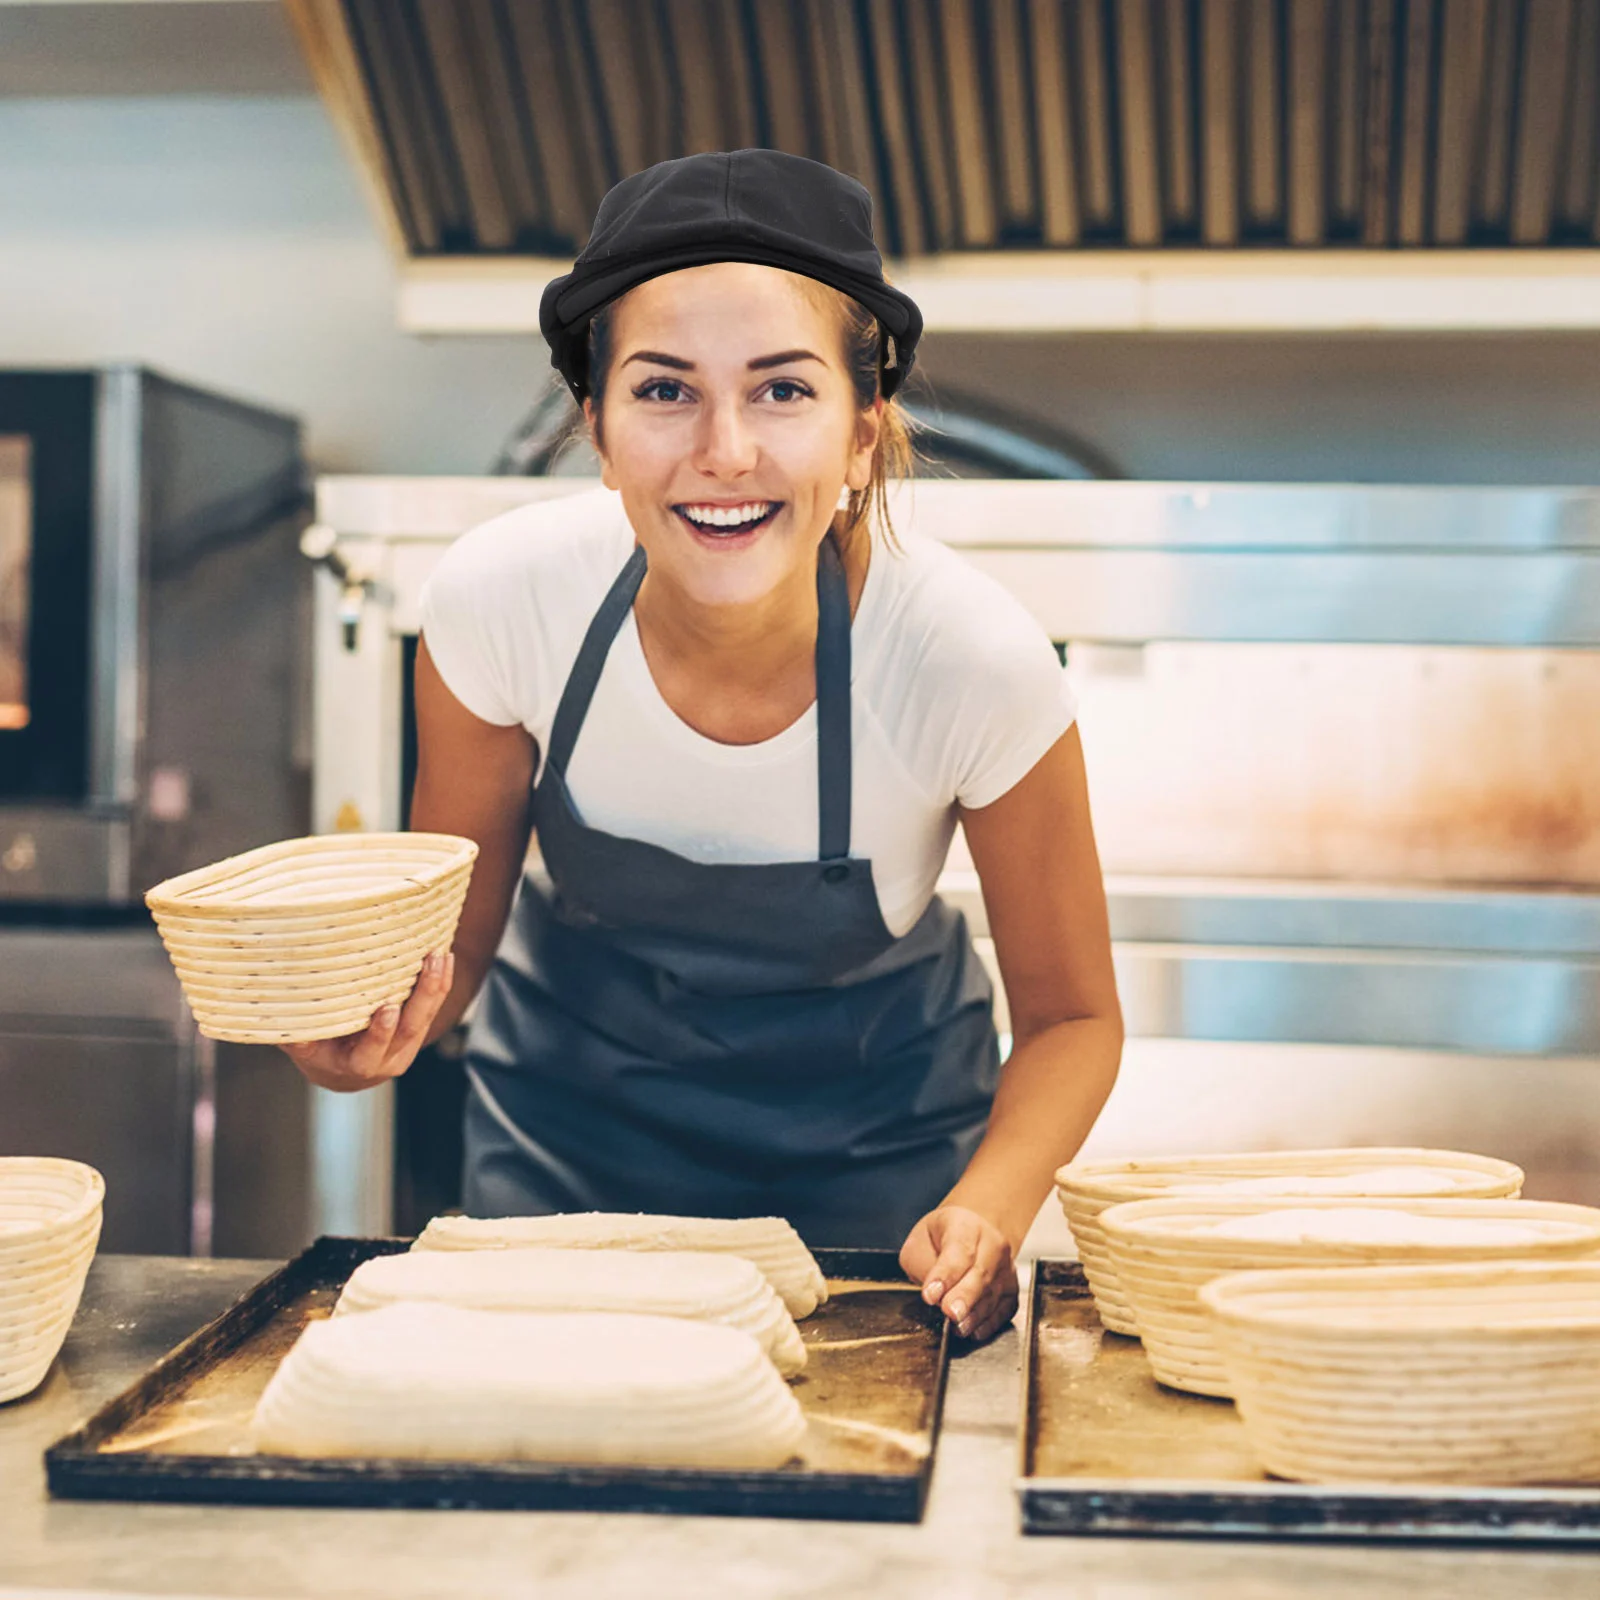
591,422
869,429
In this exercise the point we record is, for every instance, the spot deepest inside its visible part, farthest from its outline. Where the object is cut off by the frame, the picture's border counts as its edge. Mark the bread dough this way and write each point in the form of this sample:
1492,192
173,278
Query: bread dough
1375,1225
437,1382
1378,1182
770,1242
671,1283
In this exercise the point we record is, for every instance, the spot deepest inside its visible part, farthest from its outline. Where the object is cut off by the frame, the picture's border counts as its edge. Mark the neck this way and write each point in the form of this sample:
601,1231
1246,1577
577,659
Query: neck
758,645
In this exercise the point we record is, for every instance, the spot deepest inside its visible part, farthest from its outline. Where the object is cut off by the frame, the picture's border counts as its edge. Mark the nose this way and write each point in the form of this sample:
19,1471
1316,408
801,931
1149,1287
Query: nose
725,446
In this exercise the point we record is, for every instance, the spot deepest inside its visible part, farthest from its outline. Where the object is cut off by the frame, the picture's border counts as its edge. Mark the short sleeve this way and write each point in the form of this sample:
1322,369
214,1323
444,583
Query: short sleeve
1020,704
461,608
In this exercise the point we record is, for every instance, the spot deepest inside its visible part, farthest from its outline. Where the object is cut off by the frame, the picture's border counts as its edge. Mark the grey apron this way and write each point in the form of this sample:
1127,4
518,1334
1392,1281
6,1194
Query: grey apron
658,1034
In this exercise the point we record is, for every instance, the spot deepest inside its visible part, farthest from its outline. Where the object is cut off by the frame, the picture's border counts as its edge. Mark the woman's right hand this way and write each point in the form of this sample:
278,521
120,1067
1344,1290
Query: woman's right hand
388,1044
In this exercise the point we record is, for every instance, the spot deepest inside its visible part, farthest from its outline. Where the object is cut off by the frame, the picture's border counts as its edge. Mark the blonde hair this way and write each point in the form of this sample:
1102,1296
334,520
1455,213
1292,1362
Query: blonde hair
862,338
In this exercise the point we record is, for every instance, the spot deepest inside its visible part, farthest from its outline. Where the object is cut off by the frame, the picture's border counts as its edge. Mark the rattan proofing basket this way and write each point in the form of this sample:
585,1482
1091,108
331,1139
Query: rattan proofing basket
1484,1374
307,938
1163,1261
1086,1188
49,1226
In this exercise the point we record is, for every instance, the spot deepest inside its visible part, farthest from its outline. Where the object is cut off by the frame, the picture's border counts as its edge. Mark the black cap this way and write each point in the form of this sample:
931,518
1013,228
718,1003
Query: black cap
731,205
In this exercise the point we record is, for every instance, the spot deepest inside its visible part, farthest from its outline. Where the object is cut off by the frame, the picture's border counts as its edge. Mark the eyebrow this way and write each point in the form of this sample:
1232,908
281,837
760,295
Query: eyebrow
760,364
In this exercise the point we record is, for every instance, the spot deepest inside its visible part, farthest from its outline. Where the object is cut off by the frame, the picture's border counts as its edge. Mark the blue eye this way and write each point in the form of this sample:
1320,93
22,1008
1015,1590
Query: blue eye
788,383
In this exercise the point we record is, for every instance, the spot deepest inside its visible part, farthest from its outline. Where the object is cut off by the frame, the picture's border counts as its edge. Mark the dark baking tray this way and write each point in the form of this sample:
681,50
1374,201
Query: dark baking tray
873,1391
1105,1449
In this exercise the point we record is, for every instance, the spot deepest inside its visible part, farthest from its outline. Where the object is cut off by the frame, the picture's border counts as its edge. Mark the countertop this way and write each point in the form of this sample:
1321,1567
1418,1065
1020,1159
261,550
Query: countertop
136,1308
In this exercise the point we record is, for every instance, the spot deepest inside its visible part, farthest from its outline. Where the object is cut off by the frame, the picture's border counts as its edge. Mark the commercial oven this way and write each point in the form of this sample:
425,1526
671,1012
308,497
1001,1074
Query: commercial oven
154,715
1335,737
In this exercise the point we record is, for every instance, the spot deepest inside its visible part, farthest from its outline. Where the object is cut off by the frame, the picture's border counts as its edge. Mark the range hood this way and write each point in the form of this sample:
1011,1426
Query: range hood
993,124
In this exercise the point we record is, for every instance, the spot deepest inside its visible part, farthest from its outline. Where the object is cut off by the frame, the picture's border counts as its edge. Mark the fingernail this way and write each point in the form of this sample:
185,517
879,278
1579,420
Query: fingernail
964,1329
388,1016
957,1310
931,1291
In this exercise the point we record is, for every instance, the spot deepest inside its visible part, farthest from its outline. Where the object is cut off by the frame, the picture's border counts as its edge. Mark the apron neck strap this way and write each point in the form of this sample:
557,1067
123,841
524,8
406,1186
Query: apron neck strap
833,704
585,674
833,687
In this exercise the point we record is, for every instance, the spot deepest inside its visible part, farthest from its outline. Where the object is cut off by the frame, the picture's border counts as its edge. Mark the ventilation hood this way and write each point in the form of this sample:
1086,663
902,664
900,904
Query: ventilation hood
1168,159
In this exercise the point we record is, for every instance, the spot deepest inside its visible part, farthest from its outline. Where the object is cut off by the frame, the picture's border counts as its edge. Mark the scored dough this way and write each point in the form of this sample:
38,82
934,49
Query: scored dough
672,1283
1360,1225
770,1242
589,1388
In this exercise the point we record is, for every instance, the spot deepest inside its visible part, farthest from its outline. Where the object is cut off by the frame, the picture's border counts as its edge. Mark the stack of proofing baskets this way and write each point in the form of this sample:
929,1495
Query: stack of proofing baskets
1088,1188
1484,1374
1415,1321
306,939
49,1226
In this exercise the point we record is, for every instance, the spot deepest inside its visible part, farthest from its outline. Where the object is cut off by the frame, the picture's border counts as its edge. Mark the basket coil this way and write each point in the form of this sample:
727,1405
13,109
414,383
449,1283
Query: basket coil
307,938
1166,1251
50,1214
1087,1188
1485,1374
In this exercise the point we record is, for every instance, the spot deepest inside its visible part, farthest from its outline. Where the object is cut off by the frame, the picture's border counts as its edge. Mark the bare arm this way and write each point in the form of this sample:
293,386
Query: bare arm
1035,854
472,780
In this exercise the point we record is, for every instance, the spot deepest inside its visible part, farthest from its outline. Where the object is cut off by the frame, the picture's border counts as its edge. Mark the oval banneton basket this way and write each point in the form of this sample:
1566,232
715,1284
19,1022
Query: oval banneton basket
1086,1188
50,1212
1486,1374
1166,1251
307,938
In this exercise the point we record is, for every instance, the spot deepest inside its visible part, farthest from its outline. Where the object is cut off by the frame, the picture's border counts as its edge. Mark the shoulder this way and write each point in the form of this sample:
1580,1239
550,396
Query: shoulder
569,538
504,609
953,619
969,681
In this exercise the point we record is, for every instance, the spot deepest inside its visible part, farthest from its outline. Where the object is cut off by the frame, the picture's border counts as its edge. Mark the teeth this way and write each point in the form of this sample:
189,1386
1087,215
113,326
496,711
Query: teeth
727,516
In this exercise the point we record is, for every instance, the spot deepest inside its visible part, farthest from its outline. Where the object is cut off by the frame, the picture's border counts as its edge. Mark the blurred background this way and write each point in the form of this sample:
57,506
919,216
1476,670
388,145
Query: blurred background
1287,310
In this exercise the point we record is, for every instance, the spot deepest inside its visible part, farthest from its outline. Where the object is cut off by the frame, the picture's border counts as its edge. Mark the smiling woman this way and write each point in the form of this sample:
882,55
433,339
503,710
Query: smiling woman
744,722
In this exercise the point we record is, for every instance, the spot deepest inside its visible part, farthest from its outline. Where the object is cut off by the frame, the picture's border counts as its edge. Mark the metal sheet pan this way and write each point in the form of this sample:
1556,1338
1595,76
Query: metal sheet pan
872,1392
1105,1449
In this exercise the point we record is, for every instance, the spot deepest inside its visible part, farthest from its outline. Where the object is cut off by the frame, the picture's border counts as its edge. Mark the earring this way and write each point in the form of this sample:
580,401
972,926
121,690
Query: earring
843,502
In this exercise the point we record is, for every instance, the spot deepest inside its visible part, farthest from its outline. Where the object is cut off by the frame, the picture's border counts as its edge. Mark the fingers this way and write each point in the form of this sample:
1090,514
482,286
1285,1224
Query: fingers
388,1044
957,1234
971,1298
421,1007
985,1324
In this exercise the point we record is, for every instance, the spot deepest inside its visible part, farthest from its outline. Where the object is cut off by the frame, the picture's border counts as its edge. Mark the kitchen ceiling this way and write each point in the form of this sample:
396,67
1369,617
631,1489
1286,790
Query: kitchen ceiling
494,126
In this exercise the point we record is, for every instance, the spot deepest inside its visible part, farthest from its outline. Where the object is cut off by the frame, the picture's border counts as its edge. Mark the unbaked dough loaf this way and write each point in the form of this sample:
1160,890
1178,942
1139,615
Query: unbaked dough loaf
770,1242
671,1283
437,1382
1375,1225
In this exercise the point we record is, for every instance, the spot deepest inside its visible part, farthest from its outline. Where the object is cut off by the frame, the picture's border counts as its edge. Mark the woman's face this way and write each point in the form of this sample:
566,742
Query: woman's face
730,427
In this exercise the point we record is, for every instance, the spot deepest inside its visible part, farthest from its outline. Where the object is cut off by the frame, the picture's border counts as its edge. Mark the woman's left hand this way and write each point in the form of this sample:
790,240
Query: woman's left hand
964,1264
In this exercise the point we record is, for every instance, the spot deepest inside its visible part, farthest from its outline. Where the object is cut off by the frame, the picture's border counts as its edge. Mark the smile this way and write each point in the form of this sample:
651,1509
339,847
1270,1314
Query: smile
728,522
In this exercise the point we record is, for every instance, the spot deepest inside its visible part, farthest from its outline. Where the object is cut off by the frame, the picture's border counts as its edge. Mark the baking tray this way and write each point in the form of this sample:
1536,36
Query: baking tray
872,1391
1105,1449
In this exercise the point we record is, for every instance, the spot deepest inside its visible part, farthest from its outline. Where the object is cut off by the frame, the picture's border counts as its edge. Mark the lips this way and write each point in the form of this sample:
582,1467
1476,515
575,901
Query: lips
724,531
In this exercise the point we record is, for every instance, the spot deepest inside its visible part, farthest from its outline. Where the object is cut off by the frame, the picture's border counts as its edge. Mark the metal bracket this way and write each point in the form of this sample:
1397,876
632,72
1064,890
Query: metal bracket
320,544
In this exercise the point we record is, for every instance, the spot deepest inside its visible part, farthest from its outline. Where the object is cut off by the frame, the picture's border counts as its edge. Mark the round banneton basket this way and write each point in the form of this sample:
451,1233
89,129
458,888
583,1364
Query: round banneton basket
307,938
49,1227
1086,1188
1486,1374
1166,1251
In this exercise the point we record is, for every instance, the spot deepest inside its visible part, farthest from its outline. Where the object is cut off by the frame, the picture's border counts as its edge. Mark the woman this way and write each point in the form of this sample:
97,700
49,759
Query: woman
742,726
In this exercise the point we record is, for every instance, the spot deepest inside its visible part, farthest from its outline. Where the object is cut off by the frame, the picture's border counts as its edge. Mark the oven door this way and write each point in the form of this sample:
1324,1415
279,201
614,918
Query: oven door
47,497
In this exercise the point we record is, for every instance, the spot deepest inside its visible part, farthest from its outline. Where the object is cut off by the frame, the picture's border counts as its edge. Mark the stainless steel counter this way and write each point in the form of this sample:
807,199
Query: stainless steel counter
967,1549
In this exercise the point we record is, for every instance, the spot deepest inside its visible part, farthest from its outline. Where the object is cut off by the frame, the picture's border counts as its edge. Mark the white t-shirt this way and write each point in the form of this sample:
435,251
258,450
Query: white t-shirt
956,692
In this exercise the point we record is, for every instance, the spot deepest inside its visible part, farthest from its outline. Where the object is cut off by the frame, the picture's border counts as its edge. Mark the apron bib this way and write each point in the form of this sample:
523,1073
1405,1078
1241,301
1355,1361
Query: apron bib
660,1034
